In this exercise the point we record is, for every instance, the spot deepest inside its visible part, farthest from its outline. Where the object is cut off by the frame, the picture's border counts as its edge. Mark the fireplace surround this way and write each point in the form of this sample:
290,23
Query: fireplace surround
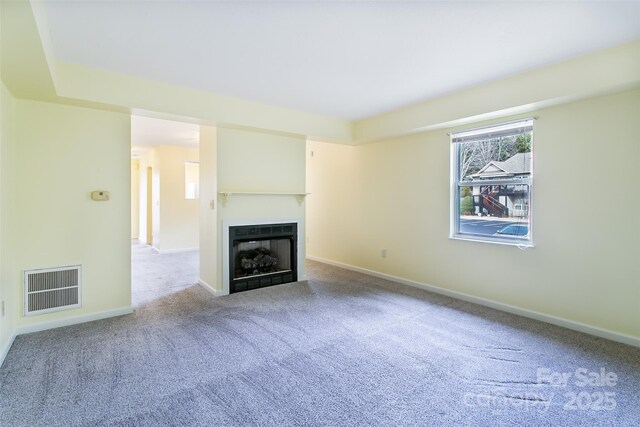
261,255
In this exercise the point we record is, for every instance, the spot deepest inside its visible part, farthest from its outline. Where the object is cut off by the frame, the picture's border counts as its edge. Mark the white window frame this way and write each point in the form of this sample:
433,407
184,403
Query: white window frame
516,127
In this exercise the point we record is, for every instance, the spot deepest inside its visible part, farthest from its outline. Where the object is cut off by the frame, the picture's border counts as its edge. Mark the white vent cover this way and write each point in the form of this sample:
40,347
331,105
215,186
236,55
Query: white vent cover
52,289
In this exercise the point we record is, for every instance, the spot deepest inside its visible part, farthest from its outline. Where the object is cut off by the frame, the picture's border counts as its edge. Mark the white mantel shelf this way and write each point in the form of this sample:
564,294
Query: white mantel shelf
224,195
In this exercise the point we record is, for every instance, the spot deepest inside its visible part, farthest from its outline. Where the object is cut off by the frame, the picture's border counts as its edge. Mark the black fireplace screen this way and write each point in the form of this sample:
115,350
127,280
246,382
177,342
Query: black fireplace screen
263,255
259,257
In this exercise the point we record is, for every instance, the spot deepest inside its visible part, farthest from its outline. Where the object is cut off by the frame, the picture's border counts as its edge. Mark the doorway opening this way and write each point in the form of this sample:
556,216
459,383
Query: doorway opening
164,207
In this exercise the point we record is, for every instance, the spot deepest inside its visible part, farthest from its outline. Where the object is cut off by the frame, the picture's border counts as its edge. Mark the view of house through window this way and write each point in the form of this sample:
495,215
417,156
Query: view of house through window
492,174
191,180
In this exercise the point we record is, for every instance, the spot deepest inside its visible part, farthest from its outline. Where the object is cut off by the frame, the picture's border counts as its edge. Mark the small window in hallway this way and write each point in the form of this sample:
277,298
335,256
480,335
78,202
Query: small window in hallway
191,180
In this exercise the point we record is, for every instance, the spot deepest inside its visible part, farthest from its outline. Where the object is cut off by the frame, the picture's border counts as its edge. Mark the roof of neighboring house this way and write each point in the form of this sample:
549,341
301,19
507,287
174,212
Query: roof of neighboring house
518,164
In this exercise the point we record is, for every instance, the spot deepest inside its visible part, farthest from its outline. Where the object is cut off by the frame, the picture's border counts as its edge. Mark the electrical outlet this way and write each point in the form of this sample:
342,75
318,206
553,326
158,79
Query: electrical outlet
383,253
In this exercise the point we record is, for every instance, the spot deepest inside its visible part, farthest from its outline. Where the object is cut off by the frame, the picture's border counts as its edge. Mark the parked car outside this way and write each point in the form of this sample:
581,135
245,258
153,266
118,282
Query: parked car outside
514,231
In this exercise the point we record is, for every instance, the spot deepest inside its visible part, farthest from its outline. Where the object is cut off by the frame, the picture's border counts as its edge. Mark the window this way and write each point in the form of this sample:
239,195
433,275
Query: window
191,180
491,176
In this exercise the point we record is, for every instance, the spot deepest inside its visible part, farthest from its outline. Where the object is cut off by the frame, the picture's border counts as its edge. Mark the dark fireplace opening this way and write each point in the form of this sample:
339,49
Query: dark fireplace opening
262,255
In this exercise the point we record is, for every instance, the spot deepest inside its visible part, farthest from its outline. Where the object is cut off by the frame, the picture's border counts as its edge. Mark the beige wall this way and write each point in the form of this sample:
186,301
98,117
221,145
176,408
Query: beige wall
135,198
143,164
62,154
150,160
259,162
154,163
207,211
585,266
8,293
331,182
178,216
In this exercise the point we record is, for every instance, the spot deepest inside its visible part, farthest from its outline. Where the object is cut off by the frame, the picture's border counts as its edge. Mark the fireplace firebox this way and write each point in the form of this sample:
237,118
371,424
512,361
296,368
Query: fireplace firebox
262,255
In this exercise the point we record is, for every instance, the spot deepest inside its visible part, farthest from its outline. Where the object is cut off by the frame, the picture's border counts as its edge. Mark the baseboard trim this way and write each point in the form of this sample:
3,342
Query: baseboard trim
6,348
211,290
68,321
531,314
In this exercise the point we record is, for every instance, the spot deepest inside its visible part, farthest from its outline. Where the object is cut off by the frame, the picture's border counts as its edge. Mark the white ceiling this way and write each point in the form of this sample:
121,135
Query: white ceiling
343,59
147,132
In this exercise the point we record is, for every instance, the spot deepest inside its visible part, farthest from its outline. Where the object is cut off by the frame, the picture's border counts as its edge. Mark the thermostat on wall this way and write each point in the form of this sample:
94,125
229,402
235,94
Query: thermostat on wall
100,195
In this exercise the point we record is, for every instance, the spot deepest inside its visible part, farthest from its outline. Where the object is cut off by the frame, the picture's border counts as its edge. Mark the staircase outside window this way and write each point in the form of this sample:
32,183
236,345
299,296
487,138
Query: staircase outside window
491,183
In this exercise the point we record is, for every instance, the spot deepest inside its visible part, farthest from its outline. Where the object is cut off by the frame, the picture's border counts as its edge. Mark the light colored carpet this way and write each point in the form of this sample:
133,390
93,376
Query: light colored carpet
155,275
342,349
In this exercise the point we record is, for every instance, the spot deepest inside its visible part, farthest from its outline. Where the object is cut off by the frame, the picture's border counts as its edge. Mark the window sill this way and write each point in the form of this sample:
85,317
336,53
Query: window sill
516,243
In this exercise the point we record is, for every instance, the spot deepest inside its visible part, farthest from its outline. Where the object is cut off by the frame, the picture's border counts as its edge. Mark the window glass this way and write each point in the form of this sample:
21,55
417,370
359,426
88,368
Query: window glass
191,180
492,181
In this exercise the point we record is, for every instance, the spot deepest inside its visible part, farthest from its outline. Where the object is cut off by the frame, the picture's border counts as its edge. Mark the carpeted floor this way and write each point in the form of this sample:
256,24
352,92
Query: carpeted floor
155,276
342,349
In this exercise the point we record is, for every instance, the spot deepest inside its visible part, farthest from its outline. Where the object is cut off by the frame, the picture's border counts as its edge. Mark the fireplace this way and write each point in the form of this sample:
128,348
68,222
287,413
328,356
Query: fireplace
262,255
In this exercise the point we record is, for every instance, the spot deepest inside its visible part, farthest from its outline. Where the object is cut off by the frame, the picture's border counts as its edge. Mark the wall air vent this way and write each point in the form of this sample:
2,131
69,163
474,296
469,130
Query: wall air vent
52,289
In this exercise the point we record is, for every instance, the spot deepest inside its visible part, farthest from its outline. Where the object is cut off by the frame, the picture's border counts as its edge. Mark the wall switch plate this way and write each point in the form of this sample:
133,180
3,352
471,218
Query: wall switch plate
2,309
100,195
383,253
